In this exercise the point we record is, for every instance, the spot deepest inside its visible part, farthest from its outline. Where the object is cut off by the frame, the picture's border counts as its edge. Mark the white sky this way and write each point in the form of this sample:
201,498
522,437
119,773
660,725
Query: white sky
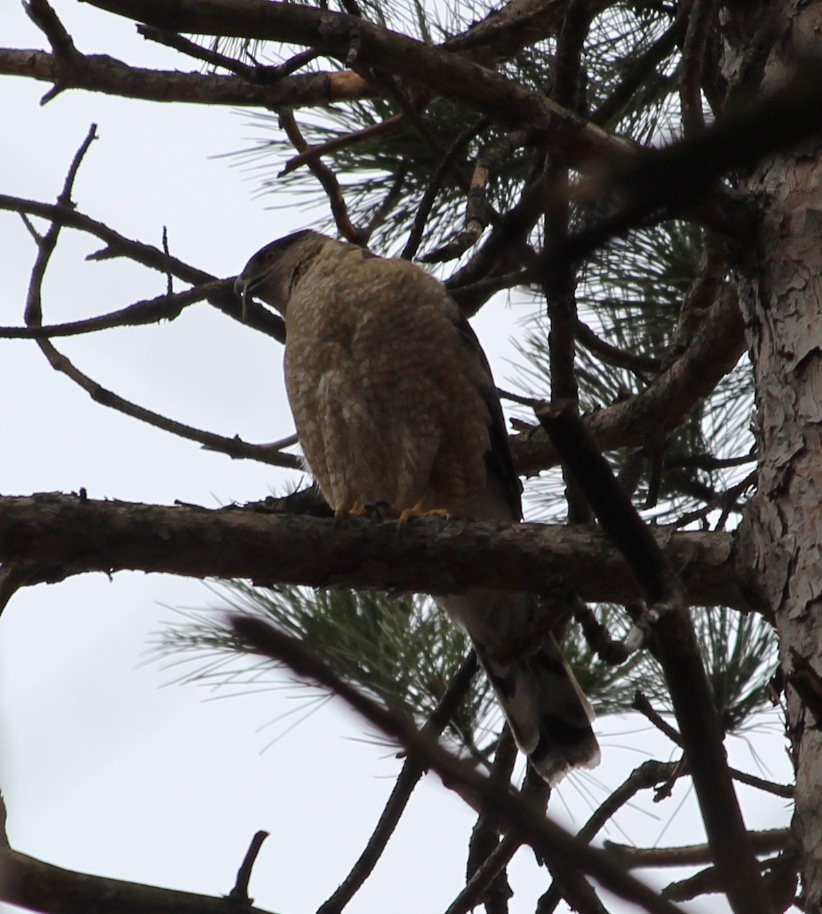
107,766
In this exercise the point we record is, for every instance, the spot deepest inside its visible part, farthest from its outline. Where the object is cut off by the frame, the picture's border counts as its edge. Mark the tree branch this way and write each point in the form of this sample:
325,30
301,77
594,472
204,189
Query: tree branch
426,556
39,886
652,415
762,842
401,794
101,73
449,74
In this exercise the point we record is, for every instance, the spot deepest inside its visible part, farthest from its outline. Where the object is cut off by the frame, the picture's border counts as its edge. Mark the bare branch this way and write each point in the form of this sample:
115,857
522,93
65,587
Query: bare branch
240,890
762,842
310,153
40,886
428,556
326,177
101,73
148,311
401,794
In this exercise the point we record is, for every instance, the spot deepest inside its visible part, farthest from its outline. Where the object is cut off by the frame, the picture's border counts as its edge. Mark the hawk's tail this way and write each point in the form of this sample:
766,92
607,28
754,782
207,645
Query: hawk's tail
546,709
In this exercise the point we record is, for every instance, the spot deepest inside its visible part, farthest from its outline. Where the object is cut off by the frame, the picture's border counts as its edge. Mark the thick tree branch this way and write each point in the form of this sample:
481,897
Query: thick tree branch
501,98
427,556
39,886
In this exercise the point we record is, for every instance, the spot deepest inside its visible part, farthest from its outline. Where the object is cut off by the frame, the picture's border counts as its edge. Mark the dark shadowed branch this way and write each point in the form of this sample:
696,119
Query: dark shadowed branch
401,794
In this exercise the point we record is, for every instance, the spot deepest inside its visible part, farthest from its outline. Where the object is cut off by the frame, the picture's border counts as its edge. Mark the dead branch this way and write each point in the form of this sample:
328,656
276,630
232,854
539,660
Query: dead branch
147,311
327,179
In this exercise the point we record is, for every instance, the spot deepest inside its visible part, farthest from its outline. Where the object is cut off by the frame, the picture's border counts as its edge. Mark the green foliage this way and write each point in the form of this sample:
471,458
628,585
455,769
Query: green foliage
400,648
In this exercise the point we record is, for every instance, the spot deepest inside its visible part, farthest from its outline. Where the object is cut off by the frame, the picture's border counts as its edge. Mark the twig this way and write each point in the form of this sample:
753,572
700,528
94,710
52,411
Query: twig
724,500
613,355
327,179
485,835
556,845
653,414
148,255
709,462
700,22
641,704
169,277
438,178
478,211
763,842
400,795
192,49
312,153
265,75
147,311
33,317
240,890
647,775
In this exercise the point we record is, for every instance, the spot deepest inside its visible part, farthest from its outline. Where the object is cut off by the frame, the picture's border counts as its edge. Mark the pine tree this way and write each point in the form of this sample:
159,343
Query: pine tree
643,180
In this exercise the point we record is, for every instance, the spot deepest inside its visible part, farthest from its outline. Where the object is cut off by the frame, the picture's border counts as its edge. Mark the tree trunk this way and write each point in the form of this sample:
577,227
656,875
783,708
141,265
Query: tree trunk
781,300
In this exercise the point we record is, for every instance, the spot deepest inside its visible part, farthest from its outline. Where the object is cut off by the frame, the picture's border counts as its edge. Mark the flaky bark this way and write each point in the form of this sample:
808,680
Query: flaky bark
781,298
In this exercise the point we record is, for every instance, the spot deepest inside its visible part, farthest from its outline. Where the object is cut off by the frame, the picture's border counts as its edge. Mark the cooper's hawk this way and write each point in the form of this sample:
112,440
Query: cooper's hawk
394,404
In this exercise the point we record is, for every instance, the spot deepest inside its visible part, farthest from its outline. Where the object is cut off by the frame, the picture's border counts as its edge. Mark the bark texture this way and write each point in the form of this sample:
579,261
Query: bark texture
780,293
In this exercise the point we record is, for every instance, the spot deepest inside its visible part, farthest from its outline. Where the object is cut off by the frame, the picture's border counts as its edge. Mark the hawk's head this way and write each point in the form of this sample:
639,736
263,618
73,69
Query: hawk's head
272,271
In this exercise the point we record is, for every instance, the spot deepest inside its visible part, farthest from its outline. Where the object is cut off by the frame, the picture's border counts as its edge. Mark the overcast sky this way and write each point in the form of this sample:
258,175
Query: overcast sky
108,765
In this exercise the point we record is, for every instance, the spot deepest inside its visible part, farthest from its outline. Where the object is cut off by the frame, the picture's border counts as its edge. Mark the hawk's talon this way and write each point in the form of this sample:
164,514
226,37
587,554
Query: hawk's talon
425,513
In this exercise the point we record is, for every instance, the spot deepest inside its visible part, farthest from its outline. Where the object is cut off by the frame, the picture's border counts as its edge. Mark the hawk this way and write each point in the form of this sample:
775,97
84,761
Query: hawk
394,404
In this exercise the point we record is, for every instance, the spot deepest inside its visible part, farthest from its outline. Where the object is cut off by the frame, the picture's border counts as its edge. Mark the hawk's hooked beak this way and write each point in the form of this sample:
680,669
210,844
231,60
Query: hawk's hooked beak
243,290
